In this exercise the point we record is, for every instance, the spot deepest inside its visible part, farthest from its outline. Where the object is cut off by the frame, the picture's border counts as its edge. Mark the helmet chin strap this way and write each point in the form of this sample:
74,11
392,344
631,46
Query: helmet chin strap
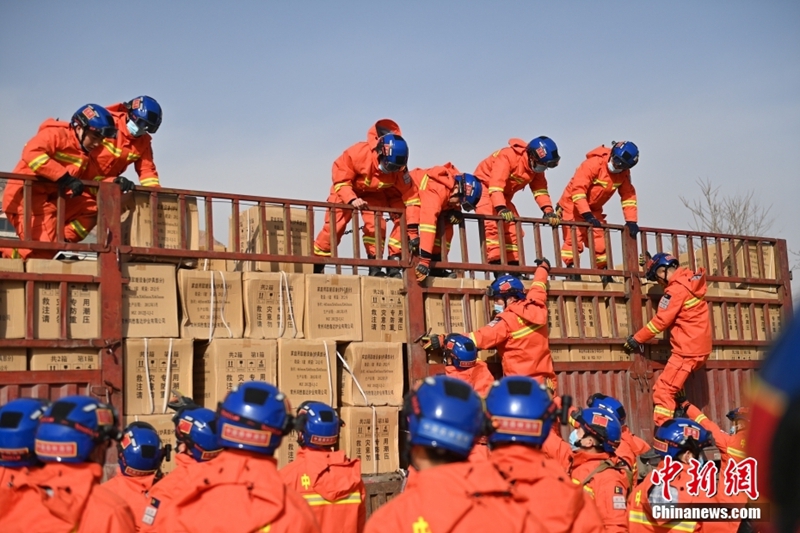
81,138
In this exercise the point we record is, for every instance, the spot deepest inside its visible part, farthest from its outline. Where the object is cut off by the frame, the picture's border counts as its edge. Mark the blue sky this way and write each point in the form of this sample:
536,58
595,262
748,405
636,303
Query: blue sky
261,97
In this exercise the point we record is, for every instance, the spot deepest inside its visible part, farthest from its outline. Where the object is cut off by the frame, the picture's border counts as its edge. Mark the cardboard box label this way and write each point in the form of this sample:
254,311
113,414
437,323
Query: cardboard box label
333,307
165,429
137,223
590,353
378,368
227,363
371,437
251,239
208,297
12,302
589,318
559,353
307,370
149,301
63,359
83,306
13,359
287,451
168,365
383,310
274,305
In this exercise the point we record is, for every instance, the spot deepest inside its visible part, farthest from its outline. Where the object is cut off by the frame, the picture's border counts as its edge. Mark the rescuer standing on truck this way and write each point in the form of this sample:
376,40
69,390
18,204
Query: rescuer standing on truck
442,189
522,414
448,494
65,494
19,420
135,121
518,330
605,171
502,174
241,490
683,310
372,174
328,480
61,153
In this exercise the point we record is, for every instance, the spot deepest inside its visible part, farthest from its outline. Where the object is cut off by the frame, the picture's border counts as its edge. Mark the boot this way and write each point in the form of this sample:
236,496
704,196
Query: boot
573,277
375,272
440,272
394,272
496,274
319,269
518,275
606,280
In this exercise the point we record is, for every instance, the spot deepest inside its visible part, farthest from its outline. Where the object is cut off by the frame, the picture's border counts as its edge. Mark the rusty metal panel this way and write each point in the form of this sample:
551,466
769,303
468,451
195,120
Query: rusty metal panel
380,489
50,391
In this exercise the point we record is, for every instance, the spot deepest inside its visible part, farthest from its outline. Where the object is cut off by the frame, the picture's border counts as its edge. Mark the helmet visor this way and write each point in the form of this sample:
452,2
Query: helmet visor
539,166
108,132
389,166
149,124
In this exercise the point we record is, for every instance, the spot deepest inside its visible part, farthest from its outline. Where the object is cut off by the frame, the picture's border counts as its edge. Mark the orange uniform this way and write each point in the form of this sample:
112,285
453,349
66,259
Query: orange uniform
51,153
609,486
117,154
237,492
557,450
587,192
502,174
631,447
165,492
356,175
640,514
479,377
63,497
684,311
134,490
435,187
520,335
331,484
557,503
455,498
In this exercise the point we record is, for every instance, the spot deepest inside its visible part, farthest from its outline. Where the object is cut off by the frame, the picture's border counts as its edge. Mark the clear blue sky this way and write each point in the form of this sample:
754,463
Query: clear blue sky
261,97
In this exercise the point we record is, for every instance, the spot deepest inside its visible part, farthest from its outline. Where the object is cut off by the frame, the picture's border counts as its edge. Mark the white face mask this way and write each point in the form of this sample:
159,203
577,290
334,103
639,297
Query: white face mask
134,129
611,168
573,439
499,308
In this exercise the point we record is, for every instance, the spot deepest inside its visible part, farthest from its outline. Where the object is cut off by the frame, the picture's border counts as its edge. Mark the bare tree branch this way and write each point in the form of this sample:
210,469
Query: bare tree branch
738,214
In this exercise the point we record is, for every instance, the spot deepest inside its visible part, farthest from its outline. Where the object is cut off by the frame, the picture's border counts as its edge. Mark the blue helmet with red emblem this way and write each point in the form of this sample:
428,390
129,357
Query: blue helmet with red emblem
602,425
542,154
317,425
196,428
139,451
740,413
392,153
144,115
657,261
505,286
94,118
469,191
461,350
519,410
444,413
679,434
609,403
254,417
18,422
624,155
72,427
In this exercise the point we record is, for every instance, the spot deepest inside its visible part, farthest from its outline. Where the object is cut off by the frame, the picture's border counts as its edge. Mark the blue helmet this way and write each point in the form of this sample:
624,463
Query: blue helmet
72,427
196,427
469,191
461,350
624,155
95,118
139,451
542,154
444,413
659,260
392,153
679,434
145,113
520,410
608,403
18,422
255,416
602,425
317,425
740,413
505,286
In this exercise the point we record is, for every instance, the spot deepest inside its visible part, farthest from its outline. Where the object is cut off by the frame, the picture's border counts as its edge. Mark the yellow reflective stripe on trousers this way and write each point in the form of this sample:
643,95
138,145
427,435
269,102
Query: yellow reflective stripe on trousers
266,528
79,229
566,253
615,185
424,183
116,152
653,329
395,242
692,302
152,181
369,240
639,517
66,158
37,163
663,411
576,197
540,192
427,228
320,251
133,156
629,203
354,498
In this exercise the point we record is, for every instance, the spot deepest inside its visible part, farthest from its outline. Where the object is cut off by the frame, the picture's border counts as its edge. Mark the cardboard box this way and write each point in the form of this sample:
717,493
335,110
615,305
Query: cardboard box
618,354
741,353
287,451
149,301
274,305
378,368
590,353
590,325
12,302
204,301
13,359
137,223
481,314
227,363
559,353
733,317
64,359
659,352
307,370
168,365
773,325
383,310
647,317
620,309
165,429
554,321
372,437
333,307
83,305
251,239
459,306
213,264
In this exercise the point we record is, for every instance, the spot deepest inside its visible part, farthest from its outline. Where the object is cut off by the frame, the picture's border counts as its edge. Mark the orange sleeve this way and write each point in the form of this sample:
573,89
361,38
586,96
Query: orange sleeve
556,449
627,194
538,291
588,519
344,174
668,308
720,437
410,194
39,154
494,333
362,508
579,186
639,445
501,171
483,379
146,168
540,193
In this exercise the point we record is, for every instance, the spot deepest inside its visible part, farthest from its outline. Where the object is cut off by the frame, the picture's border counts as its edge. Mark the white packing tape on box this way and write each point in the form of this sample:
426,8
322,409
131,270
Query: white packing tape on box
284,282
168,377
221,307
370,405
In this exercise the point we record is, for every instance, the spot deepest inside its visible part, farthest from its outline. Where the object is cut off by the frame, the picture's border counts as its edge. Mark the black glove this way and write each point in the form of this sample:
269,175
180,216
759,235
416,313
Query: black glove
506,213
542,262
413,245
453,217
125,184
633,228
552,218
432,342
422,271
591,219
70,183
644,258
681,400
631,345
